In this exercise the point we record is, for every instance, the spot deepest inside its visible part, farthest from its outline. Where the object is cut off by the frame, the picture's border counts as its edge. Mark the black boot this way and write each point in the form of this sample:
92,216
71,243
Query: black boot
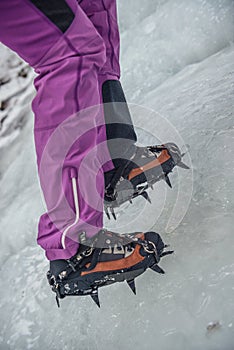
108,258
132,178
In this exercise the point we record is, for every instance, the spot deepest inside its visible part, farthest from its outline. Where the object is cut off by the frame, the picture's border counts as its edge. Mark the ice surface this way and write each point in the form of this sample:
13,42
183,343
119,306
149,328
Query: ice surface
187,96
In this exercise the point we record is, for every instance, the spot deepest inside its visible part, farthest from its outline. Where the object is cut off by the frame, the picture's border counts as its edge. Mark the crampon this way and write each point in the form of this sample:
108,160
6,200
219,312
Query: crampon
108,258
149,165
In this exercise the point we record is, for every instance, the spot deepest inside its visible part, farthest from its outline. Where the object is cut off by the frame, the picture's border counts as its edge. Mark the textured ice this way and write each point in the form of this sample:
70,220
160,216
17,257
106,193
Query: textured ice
178,61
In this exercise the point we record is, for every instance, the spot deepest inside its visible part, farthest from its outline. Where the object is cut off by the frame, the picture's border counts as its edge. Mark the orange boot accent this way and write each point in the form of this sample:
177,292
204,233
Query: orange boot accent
164,156
120,264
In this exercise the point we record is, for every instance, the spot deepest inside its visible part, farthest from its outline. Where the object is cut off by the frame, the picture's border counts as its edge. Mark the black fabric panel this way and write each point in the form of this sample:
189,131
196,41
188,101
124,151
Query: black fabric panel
117,112
57,11
118,121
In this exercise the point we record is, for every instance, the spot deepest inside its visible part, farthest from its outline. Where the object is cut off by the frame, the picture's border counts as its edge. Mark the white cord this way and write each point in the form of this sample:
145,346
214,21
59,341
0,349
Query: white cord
75,196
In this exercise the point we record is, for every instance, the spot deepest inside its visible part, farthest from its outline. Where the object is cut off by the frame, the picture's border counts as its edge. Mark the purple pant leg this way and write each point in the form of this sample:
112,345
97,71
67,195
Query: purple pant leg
103,15
67,65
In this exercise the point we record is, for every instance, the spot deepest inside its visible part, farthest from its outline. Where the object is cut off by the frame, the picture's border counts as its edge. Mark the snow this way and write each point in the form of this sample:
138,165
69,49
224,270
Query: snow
178,73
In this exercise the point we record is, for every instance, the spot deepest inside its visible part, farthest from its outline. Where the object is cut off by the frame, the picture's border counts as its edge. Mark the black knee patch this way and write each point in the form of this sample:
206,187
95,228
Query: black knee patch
57,11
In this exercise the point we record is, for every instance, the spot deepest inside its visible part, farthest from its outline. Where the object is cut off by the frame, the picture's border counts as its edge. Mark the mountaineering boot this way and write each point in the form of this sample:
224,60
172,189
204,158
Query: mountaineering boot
106,259
133,177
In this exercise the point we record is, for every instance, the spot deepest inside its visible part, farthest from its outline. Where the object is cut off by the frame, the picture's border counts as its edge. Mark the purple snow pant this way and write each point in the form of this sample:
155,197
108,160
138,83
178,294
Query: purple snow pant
73,47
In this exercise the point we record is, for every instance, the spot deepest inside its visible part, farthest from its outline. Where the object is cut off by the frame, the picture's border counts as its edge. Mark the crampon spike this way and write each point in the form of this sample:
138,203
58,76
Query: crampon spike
57,301
95,298
157,269
183,166
107,213
113,213
167,253
168,181
132,286
146,196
